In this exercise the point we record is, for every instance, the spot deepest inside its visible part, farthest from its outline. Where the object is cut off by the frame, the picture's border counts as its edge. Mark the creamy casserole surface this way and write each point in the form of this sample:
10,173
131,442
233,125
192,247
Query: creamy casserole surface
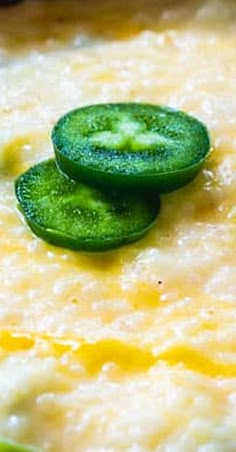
132,350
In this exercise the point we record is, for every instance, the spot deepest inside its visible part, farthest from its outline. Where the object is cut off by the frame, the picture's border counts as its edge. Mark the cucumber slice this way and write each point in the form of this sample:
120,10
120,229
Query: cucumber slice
71,215
10,446
130,145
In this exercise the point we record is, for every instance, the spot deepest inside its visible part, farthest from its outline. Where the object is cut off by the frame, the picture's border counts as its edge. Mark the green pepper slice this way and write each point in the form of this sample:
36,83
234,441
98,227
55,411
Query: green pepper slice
130,145
71,215
11,446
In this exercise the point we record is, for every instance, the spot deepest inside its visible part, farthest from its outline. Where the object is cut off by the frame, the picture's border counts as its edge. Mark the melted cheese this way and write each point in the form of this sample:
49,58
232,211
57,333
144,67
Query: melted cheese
133,349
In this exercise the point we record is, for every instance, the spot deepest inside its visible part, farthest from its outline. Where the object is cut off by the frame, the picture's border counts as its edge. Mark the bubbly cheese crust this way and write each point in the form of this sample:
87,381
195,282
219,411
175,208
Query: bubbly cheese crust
132,350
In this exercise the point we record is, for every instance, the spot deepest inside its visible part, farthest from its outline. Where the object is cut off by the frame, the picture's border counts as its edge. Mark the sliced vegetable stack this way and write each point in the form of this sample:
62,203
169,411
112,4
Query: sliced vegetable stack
125,154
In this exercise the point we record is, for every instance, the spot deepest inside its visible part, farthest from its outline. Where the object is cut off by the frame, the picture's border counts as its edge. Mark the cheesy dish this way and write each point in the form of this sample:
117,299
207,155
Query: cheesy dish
133,349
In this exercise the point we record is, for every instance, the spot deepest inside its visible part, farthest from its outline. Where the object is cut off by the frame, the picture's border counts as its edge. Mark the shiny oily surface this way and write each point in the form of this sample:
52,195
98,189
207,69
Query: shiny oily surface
159,315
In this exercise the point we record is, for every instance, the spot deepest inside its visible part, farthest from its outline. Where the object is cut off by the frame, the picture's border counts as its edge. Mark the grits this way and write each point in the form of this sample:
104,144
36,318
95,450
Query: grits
132,350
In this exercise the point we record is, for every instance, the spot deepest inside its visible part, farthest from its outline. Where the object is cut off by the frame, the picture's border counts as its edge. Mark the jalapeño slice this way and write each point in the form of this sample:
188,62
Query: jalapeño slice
130,145
71,215
10,446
